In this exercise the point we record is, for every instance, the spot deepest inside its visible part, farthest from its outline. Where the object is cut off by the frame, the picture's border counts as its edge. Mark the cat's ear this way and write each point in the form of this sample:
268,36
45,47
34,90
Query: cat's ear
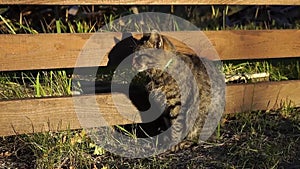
156,39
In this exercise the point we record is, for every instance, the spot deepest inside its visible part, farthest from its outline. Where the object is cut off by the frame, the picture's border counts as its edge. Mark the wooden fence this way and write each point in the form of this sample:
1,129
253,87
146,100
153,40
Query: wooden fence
51,51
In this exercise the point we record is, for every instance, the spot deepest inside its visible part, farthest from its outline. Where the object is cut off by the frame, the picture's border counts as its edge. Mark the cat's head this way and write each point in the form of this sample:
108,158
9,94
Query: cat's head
153,50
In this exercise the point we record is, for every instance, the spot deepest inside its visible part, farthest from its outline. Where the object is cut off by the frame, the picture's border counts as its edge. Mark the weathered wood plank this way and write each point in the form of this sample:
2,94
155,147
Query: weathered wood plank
58,113
43,51
48,51
261,96
36,115
154,2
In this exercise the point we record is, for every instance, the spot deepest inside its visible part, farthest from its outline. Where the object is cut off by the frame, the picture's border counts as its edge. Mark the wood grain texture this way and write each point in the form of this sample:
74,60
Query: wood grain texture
48,51
35,115
261,96
154,2
43,51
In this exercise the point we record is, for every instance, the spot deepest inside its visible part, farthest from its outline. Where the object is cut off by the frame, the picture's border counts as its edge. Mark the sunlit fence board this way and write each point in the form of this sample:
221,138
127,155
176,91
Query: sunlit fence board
35,115
154,2
262,96
48,51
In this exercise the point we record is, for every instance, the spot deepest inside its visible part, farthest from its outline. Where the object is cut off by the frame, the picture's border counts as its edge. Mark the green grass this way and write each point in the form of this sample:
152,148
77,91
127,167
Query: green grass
60,149
91,18
265,139
24,85
283,69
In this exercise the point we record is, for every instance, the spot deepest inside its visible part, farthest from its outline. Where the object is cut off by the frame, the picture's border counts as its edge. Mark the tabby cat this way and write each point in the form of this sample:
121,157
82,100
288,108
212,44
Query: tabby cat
158,58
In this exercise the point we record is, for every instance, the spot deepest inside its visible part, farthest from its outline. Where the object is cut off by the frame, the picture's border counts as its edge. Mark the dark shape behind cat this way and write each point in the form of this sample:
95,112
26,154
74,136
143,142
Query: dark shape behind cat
181,115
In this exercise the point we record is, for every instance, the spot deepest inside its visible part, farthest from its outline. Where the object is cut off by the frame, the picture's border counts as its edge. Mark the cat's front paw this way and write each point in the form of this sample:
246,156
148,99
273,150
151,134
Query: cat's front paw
182,145
175,111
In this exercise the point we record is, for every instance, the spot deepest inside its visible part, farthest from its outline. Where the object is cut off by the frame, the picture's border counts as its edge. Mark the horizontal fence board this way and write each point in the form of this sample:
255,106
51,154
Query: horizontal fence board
35,115
155,2
261,96
48,51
